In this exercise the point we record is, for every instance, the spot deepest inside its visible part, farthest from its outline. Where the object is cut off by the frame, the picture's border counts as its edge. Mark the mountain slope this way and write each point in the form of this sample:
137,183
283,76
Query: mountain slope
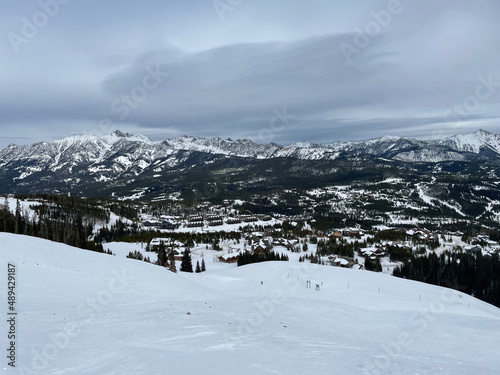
83,312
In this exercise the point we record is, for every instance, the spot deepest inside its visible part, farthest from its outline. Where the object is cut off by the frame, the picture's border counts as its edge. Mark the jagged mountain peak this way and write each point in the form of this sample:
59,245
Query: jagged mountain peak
131,137
108,139
477,142
216,145
483,132
303,144
391,138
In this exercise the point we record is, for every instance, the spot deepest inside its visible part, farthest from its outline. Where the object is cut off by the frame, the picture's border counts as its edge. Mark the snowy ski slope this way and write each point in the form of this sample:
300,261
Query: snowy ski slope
86,313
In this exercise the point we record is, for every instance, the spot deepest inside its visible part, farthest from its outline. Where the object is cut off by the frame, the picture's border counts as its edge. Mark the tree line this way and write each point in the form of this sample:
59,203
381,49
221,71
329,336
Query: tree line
470,273
249,257
339,247
60,218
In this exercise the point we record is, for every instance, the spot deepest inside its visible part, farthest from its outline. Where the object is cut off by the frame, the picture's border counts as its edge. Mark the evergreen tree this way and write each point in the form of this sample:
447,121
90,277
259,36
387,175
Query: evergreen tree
18,209
378,266
186,265
171,260
135,255
77,239
369,266
18,217
5,205
203,268
479,276
162,255
198,268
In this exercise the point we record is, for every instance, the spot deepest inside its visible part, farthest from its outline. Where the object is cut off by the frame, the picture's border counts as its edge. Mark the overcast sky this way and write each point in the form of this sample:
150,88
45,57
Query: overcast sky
268,70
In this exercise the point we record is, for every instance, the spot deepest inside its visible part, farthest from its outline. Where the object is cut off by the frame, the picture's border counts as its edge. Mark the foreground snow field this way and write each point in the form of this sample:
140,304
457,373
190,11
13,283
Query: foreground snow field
87,313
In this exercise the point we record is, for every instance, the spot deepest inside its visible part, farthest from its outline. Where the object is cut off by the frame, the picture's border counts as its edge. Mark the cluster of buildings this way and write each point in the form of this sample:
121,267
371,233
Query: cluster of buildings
422,234
163,224
482,243
202,221
259,242
176,246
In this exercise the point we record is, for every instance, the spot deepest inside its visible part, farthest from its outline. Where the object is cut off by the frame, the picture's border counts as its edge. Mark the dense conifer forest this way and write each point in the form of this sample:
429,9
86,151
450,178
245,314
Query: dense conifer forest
473,274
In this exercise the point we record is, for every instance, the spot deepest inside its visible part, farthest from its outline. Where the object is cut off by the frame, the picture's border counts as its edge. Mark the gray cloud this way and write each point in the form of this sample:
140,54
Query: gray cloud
229,78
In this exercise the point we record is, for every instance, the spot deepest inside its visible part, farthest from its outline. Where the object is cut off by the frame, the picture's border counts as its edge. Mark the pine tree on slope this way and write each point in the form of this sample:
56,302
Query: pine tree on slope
171,260
203,268
186,265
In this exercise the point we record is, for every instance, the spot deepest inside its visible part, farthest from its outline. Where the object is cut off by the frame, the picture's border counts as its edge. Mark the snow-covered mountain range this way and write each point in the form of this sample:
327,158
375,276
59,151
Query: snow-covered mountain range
131,149
458,147
123,158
